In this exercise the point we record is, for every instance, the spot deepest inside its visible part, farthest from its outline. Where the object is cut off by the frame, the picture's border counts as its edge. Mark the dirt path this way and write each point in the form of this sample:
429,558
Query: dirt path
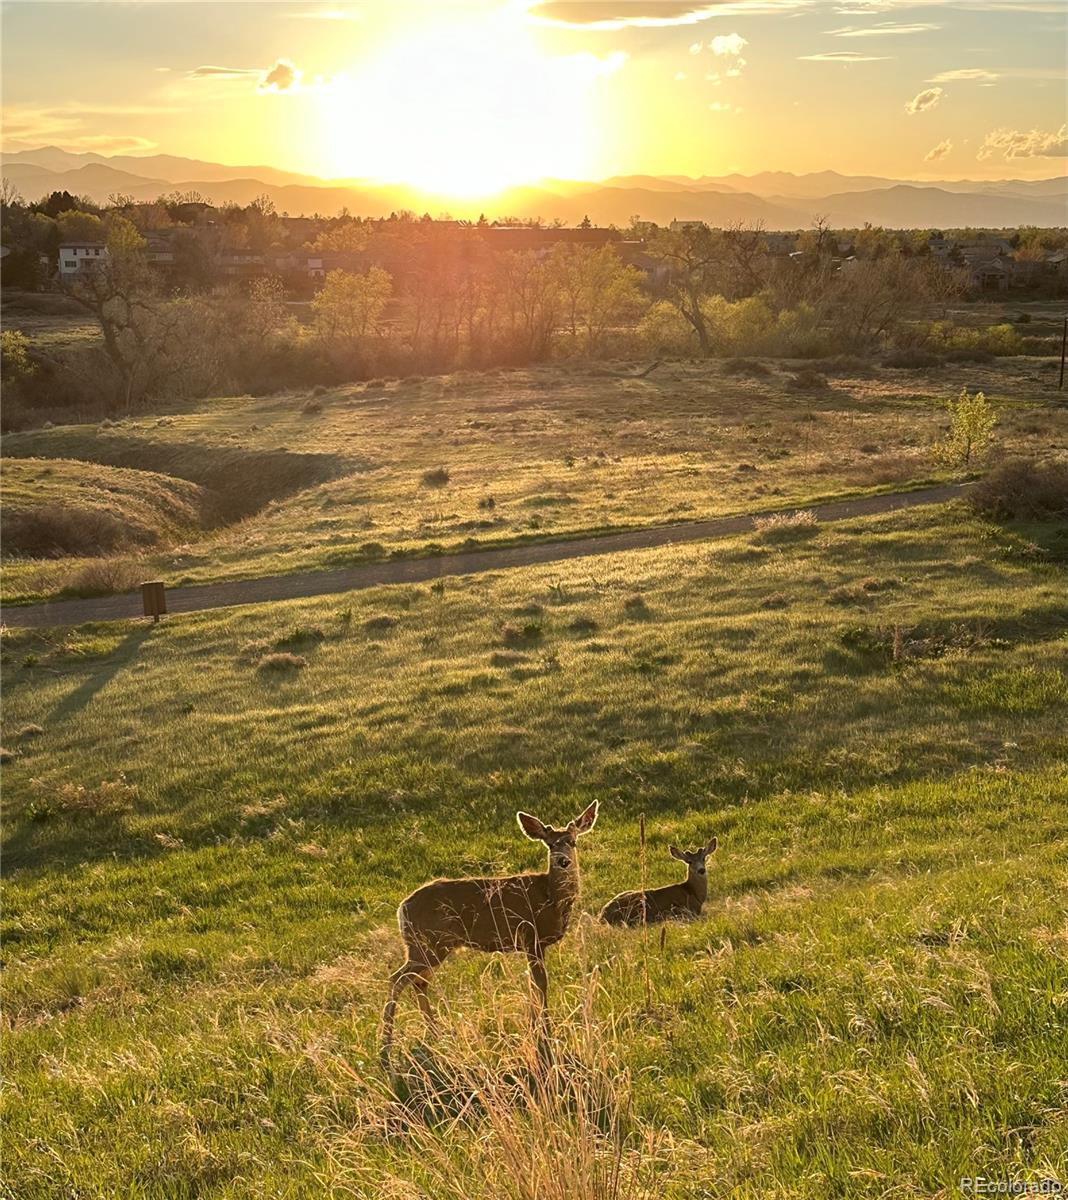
419,570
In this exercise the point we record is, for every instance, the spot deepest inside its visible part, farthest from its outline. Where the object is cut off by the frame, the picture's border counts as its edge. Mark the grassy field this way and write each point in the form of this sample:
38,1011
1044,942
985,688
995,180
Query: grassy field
205,845
467,460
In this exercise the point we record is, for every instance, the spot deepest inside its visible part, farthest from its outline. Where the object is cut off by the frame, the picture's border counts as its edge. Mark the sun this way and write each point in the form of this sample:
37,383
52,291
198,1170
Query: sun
465,111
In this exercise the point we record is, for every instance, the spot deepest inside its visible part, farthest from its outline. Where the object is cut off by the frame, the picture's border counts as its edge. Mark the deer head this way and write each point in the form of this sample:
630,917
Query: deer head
695,861
562,843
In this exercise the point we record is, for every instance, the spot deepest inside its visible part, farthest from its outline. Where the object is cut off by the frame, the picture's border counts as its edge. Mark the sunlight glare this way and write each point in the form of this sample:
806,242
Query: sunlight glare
465,111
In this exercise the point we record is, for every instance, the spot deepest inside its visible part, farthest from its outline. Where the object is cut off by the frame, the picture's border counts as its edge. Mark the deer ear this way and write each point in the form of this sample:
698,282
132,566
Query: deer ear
531,826
711,847
675,852
586,822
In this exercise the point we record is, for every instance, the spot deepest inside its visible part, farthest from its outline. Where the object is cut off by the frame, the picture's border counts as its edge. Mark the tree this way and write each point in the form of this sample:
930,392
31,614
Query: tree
77,226
349,306
694,257
971,429
597,290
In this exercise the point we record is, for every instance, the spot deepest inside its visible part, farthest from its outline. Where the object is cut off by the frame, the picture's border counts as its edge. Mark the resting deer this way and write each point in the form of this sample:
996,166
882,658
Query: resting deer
665,903
520,913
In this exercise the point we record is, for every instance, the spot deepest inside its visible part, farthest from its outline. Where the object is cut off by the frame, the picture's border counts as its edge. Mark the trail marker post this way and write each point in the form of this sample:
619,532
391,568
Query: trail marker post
155,600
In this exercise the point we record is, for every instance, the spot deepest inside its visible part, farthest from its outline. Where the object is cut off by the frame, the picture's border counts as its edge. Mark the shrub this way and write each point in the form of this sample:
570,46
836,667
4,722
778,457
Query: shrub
281,662
54,530
786,526
861,590
1022,488
436,478
746,366
636,608
807,380
108,798
299,636
522,635
971,428
105,577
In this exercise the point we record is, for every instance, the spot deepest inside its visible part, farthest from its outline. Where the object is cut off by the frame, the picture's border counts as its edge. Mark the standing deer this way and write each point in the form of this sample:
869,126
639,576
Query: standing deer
665,903
520,913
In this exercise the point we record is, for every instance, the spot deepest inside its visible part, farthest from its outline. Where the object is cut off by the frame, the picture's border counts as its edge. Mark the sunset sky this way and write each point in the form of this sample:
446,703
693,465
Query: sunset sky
467,96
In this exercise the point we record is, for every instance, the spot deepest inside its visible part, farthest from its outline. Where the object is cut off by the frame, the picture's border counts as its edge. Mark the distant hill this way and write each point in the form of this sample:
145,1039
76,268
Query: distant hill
779,199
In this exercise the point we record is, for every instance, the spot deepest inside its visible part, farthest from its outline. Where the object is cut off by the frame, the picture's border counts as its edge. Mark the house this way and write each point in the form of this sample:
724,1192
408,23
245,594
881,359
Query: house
79,257
240,263
991,275
159,248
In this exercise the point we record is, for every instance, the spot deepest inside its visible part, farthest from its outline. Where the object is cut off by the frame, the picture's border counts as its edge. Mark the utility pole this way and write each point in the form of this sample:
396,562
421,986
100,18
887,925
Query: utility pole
1064,347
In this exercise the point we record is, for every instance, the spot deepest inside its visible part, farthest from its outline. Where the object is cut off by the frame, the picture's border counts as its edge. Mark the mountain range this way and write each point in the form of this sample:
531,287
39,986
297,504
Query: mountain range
778,199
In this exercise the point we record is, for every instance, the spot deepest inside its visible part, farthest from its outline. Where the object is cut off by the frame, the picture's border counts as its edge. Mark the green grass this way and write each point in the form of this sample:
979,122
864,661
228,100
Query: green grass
551,451
873,1003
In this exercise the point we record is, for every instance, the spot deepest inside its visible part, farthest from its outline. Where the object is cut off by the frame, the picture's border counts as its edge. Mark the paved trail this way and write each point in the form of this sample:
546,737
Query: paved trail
419,570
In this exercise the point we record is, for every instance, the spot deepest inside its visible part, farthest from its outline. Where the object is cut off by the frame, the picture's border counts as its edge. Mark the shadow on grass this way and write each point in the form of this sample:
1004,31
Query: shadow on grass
120,657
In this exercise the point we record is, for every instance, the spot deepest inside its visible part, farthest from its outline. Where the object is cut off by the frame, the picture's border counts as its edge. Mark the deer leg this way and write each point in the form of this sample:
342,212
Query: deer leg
410,972
540,981
420,983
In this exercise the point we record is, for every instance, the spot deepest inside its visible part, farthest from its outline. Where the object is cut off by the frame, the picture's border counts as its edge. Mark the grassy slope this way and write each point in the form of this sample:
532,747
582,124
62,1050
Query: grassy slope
872,1004
149,507
558,449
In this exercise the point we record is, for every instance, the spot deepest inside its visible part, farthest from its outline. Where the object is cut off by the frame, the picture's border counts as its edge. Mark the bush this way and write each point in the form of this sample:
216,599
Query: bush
109,798
281,662
1021,488
807,380
106,577
54,531
971,430
781,527
746,366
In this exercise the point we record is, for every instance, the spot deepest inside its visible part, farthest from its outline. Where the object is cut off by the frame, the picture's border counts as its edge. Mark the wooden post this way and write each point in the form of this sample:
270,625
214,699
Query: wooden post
155,600
1064,347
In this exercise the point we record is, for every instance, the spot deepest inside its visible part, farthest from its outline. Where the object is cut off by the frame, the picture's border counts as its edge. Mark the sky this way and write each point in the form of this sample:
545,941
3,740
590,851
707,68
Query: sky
470,96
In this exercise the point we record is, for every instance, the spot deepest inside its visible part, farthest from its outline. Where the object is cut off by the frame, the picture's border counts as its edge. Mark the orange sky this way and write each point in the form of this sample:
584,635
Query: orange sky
468,96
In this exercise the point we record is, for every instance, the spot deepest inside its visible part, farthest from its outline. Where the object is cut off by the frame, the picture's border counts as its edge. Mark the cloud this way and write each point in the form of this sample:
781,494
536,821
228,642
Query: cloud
611,15
283,76
280,76
65,125
1018,143
939,151
728,43
222,72
965,75
882,29
924,101
845,56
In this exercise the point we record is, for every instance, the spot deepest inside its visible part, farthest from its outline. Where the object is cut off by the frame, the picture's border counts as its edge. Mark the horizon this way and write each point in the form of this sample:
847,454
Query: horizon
147,155
494,95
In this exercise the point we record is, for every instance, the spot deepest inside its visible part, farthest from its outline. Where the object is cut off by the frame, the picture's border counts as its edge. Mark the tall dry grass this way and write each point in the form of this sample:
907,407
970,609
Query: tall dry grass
489,1113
